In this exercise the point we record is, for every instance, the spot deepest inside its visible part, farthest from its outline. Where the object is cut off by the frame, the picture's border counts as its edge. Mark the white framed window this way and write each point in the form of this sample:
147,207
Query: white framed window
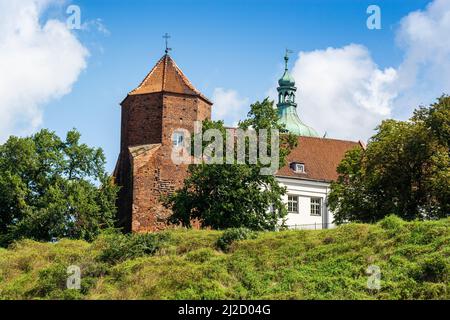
178,139
292,204
299,168
316,206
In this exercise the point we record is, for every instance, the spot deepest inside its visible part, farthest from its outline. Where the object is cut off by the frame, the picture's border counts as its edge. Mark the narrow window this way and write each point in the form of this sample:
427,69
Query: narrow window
178,139
316,206
292,204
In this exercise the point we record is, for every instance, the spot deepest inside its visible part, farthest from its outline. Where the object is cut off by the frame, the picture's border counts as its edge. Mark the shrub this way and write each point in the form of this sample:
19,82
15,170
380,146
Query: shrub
392,222
52,284
119,247
328,240
201,255
325,264
231,235
49,280
433,269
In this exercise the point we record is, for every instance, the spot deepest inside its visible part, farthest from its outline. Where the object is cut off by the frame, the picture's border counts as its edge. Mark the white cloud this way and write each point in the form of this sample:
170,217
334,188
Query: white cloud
229,106
96,24
342,91
39,62
425,72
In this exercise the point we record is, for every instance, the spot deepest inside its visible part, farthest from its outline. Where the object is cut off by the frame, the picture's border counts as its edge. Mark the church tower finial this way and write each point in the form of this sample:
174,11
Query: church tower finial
287,107
286,59
167,37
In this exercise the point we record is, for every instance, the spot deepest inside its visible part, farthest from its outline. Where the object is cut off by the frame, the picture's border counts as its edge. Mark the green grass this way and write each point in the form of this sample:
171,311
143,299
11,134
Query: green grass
414,258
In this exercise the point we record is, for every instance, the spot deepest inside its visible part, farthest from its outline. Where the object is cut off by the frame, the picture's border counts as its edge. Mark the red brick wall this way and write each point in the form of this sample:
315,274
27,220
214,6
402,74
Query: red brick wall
150,119
141,120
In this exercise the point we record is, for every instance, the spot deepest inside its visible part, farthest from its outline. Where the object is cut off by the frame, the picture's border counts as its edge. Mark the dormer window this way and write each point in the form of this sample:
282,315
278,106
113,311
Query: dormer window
298,167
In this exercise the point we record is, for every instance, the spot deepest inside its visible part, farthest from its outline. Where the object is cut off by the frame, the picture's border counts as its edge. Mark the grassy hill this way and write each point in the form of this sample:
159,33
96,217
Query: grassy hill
414,258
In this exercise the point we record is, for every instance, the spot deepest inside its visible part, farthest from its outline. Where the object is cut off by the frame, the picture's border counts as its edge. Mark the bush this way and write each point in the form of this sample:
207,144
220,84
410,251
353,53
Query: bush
119,247
231,235
433,269
50,280
201,255
392,222
325,264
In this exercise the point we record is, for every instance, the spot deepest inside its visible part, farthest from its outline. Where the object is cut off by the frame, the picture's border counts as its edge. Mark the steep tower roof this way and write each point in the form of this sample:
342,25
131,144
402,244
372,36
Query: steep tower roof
167,77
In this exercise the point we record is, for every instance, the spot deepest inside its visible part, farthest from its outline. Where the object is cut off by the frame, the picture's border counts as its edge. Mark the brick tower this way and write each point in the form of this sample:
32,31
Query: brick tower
162,104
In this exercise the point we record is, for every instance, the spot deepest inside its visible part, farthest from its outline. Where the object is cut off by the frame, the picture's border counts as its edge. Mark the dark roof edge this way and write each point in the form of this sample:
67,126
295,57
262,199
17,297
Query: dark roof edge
306,179
169,92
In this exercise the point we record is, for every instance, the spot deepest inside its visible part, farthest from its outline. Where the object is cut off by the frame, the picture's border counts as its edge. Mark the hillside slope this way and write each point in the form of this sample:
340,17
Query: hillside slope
414,259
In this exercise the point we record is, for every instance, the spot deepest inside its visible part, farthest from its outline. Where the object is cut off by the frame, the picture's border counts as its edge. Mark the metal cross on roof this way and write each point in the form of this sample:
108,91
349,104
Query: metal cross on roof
167,37
286,57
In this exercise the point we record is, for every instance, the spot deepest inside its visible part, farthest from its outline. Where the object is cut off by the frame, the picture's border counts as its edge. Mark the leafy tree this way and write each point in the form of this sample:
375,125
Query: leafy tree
53,188
234,195
405,170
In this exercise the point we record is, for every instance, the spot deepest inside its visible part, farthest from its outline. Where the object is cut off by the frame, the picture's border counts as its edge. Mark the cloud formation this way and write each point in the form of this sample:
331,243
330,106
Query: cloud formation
96,24
425,71
39,62
342,92
229,106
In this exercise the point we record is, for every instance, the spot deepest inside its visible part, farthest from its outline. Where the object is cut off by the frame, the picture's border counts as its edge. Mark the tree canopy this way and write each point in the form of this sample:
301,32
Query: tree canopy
235,194
405,170
50,188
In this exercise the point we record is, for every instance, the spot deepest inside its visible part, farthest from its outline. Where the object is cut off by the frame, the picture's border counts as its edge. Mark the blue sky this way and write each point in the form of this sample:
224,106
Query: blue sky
228,44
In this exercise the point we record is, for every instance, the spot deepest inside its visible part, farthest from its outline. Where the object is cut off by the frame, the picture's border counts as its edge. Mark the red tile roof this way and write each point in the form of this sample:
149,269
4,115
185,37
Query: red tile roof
321,157
167,77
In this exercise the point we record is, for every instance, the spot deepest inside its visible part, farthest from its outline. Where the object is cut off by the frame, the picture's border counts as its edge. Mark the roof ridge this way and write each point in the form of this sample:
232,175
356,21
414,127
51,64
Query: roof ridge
183,76
334,139
186,80
147,76
166,76
166,56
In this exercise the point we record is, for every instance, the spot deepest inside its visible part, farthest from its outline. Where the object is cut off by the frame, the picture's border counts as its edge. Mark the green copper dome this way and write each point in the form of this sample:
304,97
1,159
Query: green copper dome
286,80
287,107
289,118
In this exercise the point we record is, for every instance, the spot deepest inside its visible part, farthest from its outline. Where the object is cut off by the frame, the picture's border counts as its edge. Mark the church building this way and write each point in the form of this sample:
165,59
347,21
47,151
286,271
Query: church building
165,102
311,165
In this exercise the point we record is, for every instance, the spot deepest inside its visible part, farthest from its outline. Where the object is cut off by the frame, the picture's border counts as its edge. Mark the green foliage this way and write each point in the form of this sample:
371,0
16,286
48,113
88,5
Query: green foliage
414,259
234,195
53,188
437,119
118,247
231,235
405,170
51,284
433,269
393,223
